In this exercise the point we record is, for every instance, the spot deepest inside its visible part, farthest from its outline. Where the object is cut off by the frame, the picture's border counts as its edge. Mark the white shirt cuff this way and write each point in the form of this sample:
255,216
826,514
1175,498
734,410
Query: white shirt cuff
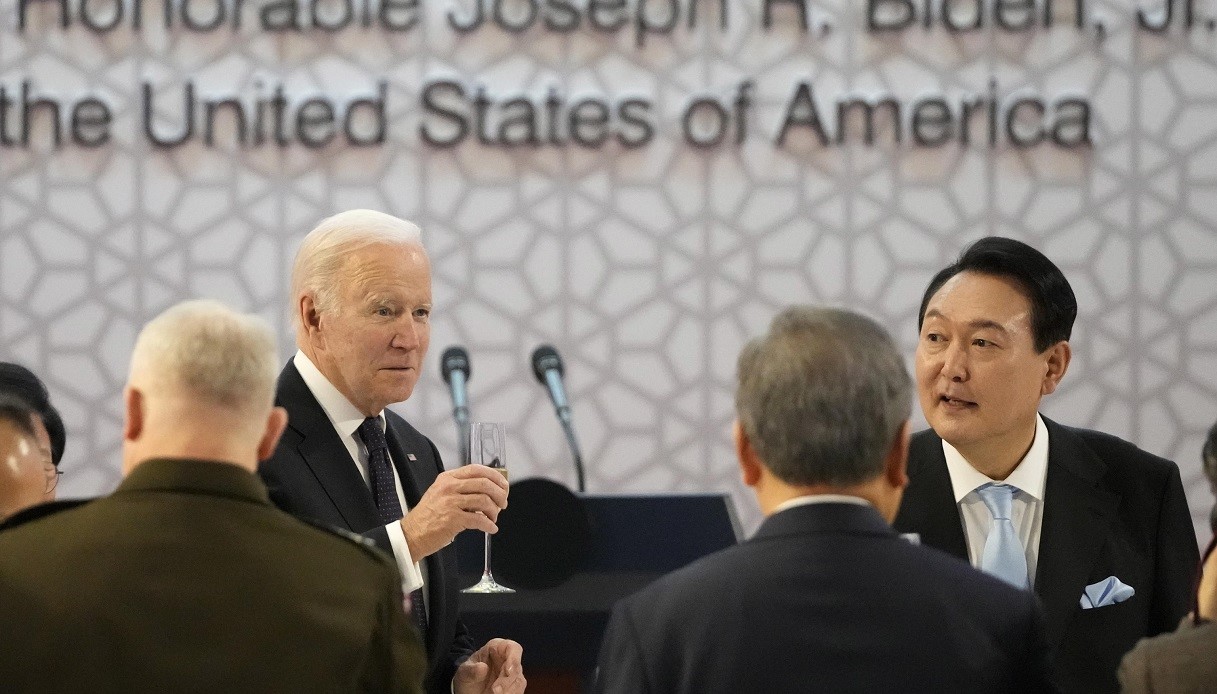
411,572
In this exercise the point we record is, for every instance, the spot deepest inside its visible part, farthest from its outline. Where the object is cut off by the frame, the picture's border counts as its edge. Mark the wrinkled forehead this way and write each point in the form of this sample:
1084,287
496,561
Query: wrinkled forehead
386,268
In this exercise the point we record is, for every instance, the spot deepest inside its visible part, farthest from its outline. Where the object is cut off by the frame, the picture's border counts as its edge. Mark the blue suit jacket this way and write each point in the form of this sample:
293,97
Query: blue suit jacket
311,476
1110,509
825,598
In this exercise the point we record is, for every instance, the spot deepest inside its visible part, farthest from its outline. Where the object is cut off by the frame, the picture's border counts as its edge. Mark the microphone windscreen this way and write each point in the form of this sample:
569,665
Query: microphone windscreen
545,358
454,359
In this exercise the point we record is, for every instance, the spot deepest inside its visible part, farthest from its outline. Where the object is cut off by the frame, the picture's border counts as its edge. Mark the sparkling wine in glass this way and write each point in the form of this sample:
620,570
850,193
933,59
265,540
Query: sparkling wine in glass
488,446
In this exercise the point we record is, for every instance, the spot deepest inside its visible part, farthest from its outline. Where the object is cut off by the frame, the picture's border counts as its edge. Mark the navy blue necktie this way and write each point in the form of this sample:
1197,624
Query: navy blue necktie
384,493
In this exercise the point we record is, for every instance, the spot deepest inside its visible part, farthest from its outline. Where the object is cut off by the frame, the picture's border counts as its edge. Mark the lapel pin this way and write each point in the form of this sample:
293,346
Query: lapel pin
410,456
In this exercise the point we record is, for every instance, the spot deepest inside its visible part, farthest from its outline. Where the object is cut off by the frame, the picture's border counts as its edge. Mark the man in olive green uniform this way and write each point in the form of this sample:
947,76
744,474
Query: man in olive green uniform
186,579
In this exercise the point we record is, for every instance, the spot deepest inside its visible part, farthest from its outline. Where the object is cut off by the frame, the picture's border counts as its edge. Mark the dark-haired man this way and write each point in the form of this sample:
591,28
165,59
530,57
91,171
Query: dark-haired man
24,385
22,472
825,597
1098,528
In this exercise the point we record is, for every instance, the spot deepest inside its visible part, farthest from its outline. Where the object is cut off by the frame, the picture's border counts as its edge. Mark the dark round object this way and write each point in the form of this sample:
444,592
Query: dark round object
544,535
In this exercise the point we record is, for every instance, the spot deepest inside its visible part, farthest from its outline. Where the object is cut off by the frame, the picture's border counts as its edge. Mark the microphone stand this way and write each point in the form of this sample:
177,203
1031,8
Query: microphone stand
569,429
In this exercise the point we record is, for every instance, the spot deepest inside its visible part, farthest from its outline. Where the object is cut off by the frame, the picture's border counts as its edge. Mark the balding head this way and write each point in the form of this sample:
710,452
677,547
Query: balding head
202,385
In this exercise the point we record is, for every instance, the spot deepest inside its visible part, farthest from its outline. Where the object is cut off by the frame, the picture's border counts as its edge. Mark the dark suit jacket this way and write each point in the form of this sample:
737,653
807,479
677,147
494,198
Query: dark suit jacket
311,475
825,598
187,579
1110,509
1177,663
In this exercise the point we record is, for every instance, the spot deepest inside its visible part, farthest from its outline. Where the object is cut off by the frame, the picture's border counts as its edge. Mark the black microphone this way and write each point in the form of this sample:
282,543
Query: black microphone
454,365
547,366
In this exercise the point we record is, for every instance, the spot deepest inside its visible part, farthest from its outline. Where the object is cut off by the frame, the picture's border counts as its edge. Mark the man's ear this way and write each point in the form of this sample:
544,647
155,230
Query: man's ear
1058,363
133,413
896,464
310,317
749,463
275,424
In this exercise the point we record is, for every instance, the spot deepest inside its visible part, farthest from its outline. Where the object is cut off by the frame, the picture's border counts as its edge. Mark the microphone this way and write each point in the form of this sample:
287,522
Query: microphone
454,366
547,366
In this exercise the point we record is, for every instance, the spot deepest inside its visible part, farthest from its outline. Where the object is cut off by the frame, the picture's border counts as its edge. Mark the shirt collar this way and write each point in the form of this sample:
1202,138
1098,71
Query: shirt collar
1029,475
345,417
820,499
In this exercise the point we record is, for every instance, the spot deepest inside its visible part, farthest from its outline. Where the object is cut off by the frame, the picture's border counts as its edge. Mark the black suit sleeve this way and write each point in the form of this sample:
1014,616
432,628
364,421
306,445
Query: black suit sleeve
1176,560
621,668
1034,675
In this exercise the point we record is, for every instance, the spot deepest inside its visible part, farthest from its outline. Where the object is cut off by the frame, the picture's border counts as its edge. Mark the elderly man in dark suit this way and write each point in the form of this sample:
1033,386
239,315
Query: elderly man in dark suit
826,597
187,579
1098,528
361,303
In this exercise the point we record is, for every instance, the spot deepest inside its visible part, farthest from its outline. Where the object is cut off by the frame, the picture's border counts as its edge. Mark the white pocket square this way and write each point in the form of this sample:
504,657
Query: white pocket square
1109,591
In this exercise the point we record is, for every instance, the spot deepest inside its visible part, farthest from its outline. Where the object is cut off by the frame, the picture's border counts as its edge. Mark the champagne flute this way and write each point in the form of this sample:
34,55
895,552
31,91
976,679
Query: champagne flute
488,446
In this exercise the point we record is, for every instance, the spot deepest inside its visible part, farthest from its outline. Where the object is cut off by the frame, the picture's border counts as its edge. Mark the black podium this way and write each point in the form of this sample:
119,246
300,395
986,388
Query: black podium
630,541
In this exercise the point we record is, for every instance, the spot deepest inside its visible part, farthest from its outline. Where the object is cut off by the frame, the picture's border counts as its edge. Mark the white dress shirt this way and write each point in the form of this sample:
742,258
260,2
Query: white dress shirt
819,499
1027,512
346,419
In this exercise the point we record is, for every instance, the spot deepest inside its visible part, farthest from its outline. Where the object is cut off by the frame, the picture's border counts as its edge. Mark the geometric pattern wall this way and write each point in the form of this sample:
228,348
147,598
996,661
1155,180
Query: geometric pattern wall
647,268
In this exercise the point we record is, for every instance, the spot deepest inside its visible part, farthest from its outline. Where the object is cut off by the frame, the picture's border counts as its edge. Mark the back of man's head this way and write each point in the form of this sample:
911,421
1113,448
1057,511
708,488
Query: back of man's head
22,474
823,397
22,383
202,384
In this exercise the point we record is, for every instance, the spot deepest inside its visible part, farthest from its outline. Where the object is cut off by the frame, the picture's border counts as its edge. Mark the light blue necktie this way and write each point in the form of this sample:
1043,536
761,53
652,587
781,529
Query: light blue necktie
1004,555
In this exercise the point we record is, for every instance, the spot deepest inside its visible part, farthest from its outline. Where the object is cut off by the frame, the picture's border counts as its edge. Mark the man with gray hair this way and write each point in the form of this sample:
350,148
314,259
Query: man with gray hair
361,304
187,579
826,597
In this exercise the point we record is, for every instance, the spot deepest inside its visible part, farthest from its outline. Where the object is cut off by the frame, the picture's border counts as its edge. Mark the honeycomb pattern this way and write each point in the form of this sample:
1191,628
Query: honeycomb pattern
648,268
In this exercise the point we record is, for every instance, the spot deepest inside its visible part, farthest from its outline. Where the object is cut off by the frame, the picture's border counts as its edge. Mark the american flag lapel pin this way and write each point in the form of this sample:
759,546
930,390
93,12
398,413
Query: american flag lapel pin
411,456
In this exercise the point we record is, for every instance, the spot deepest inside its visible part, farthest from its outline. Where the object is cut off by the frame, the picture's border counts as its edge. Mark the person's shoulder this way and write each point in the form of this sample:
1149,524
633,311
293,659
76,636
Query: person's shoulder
961,585
40,511
1115,451
343,542
1179,643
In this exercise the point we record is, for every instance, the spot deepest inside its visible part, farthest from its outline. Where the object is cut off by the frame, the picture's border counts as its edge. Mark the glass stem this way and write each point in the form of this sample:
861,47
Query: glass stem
486,567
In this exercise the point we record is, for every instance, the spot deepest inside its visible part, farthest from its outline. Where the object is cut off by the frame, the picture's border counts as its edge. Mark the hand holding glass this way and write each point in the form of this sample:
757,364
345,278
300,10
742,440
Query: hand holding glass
488,446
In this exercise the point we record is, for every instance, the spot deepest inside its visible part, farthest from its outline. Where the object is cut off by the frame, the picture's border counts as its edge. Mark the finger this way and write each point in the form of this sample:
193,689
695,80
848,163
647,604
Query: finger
479,504
472,471
479,521
484,487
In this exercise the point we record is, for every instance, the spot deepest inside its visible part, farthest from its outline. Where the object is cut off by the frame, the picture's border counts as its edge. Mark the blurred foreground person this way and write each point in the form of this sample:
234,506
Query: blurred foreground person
826,597
1182,662
23,479
21,383
186,579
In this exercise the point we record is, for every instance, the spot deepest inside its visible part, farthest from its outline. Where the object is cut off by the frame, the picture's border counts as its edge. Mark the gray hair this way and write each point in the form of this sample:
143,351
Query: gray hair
208,352
822,396
319,262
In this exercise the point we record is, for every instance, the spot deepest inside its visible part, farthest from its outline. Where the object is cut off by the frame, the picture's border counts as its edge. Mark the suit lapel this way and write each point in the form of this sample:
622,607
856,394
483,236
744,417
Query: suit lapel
405,460
928,507
324,453
1077,514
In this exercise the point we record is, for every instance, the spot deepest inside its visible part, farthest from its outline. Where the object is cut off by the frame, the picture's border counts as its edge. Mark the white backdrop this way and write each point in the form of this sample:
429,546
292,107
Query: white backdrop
646,267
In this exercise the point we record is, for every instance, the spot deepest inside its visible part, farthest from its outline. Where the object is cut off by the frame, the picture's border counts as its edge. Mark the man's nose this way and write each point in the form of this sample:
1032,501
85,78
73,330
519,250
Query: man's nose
406,336
955,363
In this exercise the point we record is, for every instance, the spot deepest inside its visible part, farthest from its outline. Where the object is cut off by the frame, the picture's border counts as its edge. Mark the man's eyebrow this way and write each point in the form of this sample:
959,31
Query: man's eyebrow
979,324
